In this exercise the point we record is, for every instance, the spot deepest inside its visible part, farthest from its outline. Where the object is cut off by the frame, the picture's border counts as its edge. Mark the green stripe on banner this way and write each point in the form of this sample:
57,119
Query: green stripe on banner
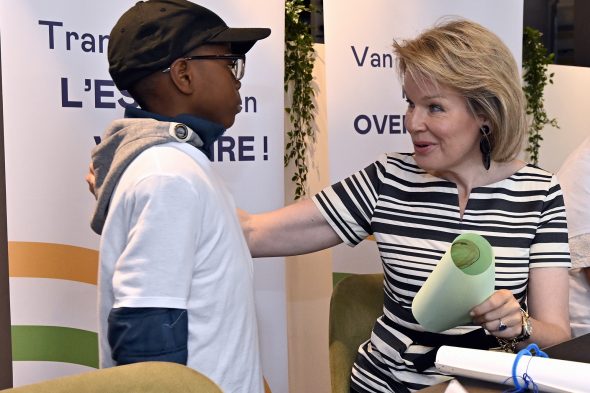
54,344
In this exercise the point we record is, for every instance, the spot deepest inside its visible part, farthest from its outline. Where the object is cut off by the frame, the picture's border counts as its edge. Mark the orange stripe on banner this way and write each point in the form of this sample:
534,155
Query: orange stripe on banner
49,260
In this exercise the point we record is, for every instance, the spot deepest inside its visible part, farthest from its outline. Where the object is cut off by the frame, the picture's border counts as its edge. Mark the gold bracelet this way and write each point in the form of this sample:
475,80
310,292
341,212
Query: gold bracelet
507,344
527,327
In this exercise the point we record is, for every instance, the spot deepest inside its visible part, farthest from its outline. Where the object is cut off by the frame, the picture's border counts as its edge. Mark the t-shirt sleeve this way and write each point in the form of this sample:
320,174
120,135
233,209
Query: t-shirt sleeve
155,268
349,205
550,245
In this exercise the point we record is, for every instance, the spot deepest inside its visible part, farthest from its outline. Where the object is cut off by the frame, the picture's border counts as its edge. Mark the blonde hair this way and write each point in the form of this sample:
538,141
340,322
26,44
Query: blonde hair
469,58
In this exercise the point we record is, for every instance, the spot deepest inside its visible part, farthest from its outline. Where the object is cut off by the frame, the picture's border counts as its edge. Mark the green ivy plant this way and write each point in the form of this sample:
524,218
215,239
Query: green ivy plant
535,61
299,59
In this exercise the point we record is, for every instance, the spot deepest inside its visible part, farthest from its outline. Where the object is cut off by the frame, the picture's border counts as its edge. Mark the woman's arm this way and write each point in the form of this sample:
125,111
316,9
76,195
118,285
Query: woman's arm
548,307
548,302
296,229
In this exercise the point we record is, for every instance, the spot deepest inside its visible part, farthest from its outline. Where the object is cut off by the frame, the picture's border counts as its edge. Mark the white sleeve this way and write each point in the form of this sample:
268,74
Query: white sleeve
580,250
155,268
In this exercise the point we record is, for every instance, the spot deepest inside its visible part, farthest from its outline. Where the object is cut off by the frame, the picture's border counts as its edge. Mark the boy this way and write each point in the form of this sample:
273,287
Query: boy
175,280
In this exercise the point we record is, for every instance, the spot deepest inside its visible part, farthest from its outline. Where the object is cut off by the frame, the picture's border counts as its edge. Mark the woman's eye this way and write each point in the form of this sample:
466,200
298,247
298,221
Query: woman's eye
435,108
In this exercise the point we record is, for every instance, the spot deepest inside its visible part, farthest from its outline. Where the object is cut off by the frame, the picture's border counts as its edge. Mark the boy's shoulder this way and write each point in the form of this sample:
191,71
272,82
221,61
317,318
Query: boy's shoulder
172,159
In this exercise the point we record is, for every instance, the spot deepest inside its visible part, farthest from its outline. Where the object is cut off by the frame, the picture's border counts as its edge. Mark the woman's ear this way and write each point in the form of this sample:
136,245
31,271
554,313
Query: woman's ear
483,121
181,76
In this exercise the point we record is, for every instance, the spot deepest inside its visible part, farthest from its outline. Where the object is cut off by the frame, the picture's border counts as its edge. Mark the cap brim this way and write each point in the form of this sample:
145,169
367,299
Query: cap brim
241,39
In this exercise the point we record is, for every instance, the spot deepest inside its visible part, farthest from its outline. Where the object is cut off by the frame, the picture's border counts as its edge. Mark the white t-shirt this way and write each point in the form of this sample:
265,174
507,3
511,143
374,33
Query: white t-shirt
579,288
172,239
574,177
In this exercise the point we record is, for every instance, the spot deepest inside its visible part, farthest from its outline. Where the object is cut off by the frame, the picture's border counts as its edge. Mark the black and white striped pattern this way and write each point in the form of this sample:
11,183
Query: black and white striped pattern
414,218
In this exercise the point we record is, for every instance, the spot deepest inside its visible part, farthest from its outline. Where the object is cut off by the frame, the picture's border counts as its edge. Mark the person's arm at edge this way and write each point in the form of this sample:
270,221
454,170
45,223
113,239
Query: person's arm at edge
91,179
296,229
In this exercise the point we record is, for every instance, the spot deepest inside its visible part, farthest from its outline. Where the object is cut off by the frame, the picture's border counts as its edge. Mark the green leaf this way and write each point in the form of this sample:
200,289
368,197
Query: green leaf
535,78
298,78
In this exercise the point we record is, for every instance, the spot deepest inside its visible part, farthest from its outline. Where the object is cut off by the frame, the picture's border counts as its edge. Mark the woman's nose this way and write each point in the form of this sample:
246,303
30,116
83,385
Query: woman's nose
415,120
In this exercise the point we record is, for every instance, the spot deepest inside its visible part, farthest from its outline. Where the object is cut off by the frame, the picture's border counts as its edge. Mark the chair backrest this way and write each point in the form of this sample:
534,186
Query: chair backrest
147,377
357,301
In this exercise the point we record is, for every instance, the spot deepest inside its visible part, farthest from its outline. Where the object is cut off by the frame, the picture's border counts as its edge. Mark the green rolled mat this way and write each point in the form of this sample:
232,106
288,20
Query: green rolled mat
463,278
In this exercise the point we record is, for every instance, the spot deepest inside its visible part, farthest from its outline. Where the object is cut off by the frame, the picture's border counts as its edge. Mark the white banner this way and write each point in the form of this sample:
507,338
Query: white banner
365,103
58,97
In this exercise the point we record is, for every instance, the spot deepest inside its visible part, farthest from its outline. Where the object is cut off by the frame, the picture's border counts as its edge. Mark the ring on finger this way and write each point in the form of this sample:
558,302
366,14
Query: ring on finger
502,326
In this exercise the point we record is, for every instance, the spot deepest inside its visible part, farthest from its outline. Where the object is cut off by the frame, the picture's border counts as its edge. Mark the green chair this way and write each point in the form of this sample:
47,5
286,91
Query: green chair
357,301
148,377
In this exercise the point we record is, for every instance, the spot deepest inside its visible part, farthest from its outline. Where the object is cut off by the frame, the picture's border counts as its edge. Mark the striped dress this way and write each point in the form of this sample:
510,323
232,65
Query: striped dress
415,217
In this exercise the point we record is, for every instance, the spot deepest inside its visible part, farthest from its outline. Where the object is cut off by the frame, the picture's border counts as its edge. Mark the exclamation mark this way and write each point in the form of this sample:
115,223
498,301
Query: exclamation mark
265,148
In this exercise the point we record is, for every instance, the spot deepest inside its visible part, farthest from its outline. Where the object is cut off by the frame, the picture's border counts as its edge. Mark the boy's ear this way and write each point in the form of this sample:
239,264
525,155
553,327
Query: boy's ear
181,76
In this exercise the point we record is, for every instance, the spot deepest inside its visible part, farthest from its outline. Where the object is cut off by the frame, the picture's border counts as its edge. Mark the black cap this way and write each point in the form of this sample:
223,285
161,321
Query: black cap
152,34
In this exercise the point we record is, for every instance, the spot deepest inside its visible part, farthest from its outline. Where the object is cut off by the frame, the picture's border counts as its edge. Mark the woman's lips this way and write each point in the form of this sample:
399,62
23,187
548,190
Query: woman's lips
423,147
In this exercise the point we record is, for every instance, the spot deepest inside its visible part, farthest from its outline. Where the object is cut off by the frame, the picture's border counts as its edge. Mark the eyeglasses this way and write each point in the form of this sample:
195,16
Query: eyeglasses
237,63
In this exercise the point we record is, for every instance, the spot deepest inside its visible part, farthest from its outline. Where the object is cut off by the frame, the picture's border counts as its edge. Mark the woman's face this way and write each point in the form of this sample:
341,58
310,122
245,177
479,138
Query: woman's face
445,133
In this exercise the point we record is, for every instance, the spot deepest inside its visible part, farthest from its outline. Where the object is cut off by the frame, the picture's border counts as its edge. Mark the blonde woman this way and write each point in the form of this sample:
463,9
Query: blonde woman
466,119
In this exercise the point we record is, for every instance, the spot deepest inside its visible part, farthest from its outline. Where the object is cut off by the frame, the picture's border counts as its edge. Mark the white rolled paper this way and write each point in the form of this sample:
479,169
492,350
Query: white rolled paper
462,279
550,375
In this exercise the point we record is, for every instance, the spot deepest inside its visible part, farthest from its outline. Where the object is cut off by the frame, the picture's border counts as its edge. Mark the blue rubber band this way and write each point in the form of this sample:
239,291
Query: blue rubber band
530,350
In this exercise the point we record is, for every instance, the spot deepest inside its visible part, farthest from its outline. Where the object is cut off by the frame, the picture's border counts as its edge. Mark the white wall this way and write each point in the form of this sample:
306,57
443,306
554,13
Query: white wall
567,101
